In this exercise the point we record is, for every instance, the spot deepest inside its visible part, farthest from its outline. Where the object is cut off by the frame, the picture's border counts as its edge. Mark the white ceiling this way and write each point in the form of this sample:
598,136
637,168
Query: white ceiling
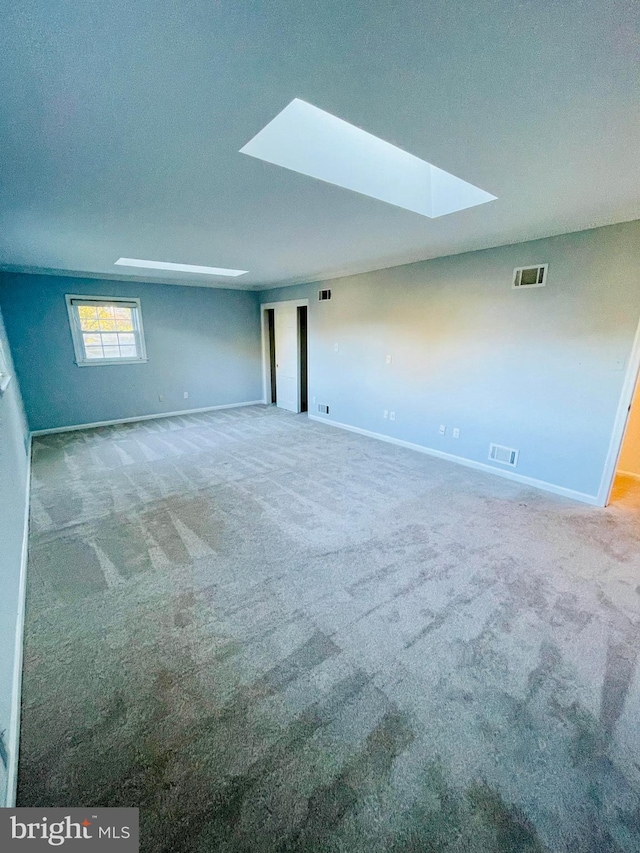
121,124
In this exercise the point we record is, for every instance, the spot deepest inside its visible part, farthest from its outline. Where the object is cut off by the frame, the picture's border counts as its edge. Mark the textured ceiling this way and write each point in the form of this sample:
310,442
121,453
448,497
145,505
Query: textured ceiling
121,124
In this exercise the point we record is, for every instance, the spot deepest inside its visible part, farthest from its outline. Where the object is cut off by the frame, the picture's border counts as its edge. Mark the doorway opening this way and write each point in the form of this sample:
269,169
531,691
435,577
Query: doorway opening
626,482
271,331
624,444
302,357
285,354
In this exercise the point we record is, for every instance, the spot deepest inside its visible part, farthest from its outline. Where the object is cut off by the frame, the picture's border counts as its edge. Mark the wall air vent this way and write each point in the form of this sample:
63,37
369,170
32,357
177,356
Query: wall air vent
535,276
504,455
323,295
324,410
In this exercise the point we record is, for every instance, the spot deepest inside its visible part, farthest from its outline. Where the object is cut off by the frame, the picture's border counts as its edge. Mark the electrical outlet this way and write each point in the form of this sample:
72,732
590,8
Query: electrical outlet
161,398
186,395
456,432
314,401
335,347
385,414
388,359
392,416
443,429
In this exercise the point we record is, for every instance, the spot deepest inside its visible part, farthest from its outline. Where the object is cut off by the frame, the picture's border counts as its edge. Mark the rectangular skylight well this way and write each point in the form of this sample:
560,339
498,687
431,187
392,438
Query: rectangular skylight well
313,142
163,265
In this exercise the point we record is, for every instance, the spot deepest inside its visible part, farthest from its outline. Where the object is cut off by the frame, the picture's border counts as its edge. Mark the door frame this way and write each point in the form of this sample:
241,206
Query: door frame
264,333
631,381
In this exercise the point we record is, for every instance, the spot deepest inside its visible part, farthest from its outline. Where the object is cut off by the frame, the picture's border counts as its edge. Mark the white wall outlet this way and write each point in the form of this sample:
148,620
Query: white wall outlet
335,347
388,359
186,395
161,398
392,416
456,432
314,401
385,414
443,429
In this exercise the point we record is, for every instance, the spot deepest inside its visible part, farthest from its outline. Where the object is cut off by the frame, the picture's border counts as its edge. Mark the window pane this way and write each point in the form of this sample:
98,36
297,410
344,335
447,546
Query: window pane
86,312
110,340
94,352
90,325
128,352
107,324
111,352
91,340
127,340
88,317
124,319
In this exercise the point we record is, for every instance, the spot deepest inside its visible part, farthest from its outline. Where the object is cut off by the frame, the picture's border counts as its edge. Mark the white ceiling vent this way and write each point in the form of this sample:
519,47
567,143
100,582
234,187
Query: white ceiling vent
324,295
535,276
504,455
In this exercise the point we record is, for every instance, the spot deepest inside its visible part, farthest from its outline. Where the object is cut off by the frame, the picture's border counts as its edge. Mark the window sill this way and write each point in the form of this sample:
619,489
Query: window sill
105,362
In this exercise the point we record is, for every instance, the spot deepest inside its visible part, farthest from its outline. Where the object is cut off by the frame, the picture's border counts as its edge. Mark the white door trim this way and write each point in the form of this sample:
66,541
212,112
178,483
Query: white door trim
266,365
619,425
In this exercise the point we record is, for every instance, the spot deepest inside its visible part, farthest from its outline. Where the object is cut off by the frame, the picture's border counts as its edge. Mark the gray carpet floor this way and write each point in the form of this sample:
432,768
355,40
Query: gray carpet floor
271,635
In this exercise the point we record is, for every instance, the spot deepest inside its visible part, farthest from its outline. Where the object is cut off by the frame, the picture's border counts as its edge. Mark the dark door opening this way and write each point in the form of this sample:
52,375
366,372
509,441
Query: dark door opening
302,348
271,328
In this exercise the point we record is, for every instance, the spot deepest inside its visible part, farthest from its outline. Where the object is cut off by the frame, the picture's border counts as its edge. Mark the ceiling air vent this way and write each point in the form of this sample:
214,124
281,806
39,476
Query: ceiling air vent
323,409
535,276
323,295
504,455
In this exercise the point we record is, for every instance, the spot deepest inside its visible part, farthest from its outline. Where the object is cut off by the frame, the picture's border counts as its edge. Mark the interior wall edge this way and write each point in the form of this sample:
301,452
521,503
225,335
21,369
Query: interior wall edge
16,694
621,425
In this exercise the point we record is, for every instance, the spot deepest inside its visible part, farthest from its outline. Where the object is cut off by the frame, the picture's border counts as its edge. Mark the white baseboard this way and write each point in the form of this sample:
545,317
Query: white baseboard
13,735
145,417
631,474
468,463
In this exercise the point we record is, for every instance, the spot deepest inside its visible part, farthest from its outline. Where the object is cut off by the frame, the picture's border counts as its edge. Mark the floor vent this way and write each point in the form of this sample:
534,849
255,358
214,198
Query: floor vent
535,276
324,410
323,295
504,455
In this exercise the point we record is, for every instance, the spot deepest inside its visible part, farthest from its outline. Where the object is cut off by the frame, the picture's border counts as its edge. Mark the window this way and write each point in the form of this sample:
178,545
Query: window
106,330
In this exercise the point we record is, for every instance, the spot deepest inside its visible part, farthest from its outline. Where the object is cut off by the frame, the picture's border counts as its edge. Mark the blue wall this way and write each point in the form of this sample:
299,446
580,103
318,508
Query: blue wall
204,341
538,370
14,470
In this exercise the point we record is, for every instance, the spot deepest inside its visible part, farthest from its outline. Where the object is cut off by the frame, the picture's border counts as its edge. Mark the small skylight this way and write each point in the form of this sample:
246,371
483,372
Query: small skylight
313,142
164,265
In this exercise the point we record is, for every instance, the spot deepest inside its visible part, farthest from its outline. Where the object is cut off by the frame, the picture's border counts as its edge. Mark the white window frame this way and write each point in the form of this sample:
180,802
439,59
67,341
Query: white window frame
76,331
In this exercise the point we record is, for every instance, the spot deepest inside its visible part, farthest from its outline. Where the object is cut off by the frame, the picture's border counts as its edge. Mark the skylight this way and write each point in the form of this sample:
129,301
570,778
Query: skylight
164,265
313,142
